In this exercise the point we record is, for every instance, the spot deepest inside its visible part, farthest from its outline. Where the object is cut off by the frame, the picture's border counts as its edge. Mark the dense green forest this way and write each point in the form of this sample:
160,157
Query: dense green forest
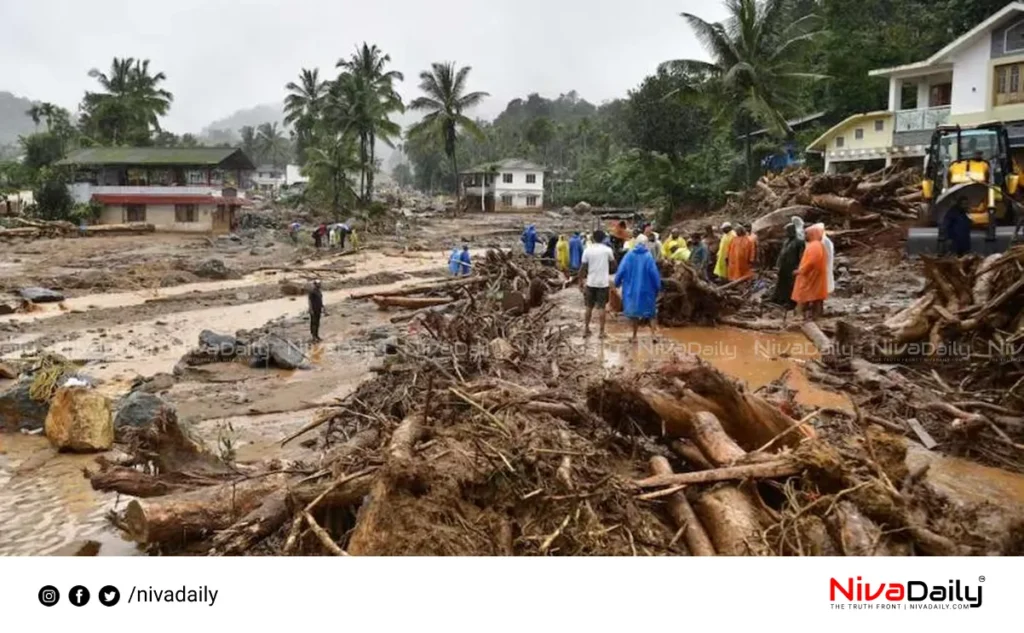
676,139
679,139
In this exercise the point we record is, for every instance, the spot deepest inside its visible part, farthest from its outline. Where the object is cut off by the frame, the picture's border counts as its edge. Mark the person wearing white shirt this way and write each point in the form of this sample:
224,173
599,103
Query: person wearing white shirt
596,270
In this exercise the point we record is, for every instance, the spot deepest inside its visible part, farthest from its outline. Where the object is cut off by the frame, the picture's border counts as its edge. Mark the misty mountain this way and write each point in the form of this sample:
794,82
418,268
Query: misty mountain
13,120
263,113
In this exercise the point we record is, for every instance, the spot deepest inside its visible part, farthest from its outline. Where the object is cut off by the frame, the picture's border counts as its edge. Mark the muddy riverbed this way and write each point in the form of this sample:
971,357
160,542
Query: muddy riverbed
124,335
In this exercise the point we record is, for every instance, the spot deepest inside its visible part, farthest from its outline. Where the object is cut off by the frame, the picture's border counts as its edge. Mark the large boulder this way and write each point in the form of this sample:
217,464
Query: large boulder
40,295
7,372
140,409
583,207
219,346
214,269
80,420
279,352
18,411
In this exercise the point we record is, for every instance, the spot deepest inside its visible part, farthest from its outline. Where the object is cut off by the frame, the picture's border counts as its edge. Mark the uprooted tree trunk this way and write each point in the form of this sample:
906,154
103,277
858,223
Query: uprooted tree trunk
697,540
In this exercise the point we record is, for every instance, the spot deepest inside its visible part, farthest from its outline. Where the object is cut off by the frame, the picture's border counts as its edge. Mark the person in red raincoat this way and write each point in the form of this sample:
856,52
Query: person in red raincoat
811,287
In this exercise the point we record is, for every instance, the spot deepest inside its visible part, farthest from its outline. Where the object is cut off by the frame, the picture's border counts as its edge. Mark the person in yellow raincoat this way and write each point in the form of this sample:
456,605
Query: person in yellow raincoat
666,246
721,268
562,253
680,251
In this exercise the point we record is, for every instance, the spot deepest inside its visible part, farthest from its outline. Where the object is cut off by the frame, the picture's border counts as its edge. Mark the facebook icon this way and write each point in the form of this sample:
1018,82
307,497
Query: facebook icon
79,596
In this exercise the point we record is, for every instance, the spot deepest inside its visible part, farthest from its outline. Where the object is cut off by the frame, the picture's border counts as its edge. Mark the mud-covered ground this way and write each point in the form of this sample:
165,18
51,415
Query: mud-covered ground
135,306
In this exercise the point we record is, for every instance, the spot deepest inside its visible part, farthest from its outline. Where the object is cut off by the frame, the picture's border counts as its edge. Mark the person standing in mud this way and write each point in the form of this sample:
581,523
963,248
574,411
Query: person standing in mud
316,310
788,262
595,274
640,280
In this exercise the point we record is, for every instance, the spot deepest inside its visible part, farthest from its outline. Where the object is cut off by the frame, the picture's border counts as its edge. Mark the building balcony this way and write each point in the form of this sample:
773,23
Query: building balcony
921,119
478,190
83,191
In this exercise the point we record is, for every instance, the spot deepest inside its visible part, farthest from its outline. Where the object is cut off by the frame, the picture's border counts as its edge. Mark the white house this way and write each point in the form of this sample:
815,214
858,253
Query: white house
974,79
293,176
269,178
506,184
175,189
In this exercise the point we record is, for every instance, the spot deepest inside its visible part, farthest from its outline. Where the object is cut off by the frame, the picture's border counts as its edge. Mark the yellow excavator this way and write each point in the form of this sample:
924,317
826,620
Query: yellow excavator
970,166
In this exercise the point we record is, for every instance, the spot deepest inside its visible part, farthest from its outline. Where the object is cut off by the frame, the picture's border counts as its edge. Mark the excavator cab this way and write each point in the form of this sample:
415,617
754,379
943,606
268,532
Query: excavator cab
970,164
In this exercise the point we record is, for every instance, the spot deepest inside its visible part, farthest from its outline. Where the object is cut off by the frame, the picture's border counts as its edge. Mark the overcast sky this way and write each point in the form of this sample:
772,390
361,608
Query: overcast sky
221,56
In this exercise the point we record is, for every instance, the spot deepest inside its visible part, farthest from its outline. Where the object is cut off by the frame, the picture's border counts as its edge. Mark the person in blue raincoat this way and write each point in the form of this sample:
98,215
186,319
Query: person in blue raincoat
454,261
465,264
529,239
640,281
575,251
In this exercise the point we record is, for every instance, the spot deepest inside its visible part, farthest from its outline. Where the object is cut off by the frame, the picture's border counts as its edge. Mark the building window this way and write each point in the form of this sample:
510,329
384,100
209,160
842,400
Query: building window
135,212
196,177
840,141
137,177
1008,86
186,213
506,200
531,201
506,178
879,125
531,179
858,133
940,95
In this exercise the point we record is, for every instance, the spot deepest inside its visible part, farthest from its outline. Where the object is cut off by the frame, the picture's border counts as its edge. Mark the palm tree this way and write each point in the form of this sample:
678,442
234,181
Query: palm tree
369,99
329,166
48,111
35,113
303,105
306,97
131,105
271,143
753,75
445,101
248,134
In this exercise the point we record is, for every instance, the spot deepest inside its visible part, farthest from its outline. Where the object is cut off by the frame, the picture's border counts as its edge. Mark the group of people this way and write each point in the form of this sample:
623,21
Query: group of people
806,269
326,235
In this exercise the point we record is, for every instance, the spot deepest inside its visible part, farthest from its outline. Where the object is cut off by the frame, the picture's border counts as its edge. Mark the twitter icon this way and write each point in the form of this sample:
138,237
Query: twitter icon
109,596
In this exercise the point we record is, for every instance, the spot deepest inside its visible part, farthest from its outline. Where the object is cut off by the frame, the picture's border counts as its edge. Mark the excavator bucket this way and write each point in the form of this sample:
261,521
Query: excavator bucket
927,240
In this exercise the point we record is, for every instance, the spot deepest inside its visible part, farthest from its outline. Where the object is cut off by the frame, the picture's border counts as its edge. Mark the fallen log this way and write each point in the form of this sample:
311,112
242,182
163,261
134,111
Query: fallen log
180,518
732,521
441,286
410,302
701,426
682,514
132,482
816,336
763,470
276,508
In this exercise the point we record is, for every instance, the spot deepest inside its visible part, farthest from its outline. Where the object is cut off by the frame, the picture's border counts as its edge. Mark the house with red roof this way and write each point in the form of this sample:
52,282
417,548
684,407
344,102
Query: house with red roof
193,190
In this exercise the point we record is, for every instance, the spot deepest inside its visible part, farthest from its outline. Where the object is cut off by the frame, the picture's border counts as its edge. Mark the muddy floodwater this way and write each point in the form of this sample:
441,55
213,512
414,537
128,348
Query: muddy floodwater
756,358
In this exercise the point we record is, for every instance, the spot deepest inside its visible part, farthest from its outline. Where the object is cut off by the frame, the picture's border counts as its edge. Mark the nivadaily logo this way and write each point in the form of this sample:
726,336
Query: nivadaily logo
913,594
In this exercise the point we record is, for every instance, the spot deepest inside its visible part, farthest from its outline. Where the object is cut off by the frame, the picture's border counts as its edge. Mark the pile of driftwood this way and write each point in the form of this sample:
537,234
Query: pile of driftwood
36,229
485,434
687,299
948,370
519,281
854,207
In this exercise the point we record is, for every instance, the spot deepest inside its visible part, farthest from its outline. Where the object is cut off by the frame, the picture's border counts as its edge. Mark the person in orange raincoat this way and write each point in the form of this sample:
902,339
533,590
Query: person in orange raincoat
811,286
740,260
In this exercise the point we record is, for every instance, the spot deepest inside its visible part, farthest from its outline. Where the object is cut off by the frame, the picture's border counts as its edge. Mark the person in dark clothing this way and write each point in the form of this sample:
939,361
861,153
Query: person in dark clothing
956,225
549,252
316,310
318,235
788,262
